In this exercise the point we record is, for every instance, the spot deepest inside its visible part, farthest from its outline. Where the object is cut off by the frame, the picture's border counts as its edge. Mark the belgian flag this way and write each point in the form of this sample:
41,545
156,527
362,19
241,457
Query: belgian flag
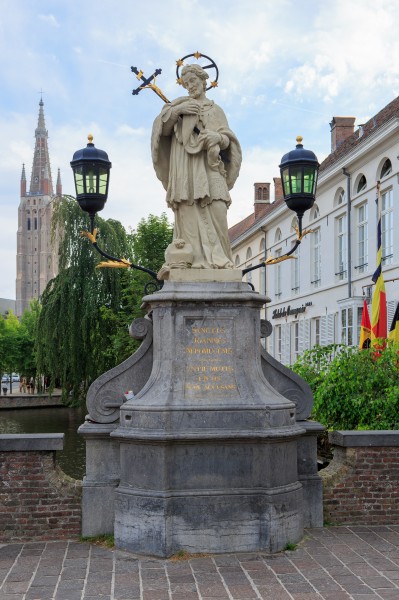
394,329
379,302
365,329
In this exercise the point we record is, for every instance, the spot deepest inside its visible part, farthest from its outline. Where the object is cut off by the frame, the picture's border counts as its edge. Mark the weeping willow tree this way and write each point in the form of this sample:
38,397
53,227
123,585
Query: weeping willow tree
83,324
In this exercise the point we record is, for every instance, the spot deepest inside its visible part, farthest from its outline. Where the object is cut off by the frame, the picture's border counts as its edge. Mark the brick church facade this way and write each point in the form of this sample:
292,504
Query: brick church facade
36,255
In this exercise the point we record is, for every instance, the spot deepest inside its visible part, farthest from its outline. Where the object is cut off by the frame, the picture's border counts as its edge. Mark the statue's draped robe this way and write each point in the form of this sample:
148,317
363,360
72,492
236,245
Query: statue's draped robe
197,193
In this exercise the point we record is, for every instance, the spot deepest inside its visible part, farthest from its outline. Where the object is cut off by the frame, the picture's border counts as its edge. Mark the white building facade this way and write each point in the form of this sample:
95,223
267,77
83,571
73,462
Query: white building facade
318,297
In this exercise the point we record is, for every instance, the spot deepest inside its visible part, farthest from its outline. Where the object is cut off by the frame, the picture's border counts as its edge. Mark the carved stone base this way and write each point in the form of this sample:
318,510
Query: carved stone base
208,447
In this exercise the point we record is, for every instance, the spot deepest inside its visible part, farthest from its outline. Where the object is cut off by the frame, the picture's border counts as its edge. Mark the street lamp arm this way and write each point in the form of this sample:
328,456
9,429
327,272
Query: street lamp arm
273,261
114,262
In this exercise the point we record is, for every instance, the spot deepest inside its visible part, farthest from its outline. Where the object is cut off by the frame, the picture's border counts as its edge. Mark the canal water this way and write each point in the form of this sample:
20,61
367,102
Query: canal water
52,420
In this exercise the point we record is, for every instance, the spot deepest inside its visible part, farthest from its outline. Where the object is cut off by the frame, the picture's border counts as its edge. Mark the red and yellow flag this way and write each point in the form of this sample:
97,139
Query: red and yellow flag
365,329
394,329
379,302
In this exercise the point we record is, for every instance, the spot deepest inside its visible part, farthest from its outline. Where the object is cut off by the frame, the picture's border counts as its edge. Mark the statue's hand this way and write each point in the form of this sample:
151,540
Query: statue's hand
191,107
211,138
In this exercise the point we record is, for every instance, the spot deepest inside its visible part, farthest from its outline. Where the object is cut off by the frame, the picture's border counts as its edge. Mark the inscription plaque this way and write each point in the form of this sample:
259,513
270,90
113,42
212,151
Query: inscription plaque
209,361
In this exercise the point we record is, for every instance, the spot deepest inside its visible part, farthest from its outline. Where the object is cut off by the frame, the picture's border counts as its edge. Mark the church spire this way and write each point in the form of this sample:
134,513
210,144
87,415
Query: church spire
23,182
41,182
58,189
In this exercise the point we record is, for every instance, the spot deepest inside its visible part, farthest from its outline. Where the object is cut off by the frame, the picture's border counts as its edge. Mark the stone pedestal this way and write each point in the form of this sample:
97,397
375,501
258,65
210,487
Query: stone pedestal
101,479
208,448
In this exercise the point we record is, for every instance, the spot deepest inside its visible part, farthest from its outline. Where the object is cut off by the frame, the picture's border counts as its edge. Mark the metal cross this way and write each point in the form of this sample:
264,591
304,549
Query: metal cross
148,83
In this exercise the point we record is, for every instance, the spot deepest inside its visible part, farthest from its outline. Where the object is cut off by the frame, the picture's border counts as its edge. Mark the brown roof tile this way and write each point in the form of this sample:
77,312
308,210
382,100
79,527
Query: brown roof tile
386,114
239,228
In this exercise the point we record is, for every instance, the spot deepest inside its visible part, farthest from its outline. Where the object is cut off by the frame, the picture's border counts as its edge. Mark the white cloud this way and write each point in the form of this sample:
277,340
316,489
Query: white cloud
50,20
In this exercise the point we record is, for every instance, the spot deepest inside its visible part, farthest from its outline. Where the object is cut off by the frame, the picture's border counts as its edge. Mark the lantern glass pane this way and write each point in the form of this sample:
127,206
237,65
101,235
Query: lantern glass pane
78,172
308,180
102,188
91,181
296,180
286,182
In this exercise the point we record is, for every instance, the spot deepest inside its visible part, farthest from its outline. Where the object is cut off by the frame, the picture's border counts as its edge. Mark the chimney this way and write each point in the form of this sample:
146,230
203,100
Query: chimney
341,129
262,198
278,189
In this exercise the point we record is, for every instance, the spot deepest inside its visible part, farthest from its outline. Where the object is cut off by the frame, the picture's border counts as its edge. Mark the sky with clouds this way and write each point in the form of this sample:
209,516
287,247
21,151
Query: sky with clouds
285,68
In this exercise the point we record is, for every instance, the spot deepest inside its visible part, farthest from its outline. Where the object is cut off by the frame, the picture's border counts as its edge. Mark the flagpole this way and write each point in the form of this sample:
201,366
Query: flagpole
378,305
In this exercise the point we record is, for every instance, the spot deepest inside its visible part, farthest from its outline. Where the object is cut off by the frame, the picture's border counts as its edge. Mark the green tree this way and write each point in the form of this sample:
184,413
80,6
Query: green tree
8,343
27,332
149,241
83,325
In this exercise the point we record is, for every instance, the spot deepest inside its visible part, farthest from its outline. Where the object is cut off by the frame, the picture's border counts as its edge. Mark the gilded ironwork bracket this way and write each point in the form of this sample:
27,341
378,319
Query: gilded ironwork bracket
120,263
273,261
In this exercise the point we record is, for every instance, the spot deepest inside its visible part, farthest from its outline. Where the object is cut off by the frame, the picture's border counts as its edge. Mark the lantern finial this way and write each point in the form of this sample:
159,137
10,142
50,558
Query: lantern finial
299,139
90,138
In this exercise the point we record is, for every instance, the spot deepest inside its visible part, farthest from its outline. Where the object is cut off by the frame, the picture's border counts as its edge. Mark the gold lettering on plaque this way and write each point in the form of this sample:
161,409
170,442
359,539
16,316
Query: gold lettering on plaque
209,358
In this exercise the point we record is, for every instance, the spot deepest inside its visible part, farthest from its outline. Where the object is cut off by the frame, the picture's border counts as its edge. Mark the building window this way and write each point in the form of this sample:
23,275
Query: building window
315,214
262,280
296,340
295,272
342,248
277,275
249,254
277,237
362,238
339,197
387,227
237,261
35,222
28,224
315,259
278,342
362,184
347,326
317,332
386,168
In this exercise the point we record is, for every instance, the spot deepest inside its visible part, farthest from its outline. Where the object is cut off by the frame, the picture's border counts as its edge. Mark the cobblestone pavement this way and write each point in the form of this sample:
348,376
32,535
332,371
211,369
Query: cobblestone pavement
334,563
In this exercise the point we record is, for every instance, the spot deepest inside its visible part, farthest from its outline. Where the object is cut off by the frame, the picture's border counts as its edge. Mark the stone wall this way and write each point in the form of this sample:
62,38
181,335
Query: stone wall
37,500
361,484
28,401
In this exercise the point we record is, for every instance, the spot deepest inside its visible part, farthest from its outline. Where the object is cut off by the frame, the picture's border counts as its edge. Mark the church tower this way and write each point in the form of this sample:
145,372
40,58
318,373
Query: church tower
36,258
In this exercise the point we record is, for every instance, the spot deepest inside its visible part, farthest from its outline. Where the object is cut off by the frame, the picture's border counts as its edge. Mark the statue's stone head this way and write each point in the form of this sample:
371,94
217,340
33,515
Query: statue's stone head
197,70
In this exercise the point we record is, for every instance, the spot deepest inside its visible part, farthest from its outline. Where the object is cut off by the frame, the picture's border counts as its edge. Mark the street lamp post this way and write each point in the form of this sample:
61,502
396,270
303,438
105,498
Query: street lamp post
91,169
299,170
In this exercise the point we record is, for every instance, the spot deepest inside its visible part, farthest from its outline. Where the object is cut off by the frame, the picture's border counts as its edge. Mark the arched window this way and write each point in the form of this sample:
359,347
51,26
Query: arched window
294,223
386,168
249,253
341,197
28,224
237,260
315,213
362,184
259,193
278,236
264,193
262,245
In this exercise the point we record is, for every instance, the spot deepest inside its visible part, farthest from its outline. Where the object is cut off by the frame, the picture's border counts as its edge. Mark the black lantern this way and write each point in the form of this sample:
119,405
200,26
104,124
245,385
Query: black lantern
299,169
91,168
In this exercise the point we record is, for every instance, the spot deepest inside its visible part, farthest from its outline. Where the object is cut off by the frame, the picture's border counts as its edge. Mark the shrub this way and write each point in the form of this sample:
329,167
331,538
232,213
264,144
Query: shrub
353,389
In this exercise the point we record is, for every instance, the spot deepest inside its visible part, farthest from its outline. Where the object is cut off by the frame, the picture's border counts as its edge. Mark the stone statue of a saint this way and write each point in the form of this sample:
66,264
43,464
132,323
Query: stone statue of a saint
197,157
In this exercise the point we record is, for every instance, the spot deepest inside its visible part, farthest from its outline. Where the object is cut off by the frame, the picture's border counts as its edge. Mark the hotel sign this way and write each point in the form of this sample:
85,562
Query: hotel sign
280,313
